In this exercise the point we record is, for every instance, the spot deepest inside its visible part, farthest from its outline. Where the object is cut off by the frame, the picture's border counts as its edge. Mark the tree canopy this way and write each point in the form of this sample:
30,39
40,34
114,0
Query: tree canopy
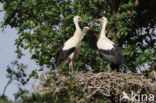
44,25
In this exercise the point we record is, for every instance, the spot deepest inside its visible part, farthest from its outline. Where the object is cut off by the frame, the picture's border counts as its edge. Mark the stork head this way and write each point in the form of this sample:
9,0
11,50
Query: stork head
78,19
101,20
85,30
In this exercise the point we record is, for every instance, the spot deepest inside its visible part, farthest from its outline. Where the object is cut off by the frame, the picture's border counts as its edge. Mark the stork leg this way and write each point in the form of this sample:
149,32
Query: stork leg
109,68
71,65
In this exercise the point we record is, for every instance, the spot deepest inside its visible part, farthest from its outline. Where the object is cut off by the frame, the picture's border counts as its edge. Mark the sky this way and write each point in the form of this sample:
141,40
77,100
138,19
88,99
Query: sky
7,55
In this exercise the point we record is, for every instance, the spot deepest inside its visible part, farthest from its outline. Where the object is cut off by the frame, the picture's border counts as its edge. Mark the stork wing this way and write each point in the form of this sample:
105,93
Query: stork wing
63,54
113,55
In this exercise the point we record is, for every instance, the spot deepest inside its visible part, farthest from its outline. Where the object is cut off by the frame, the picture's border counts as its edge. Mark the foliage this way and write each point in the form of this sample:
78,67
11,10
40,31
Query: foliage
16,72
44,25
3,99
67,94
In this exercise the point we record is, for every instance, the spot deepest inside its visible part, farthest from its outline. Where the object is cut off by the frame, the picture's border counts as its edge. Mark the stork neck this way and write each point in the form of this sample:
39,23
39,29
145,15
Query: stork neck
103,30
77,25
78,32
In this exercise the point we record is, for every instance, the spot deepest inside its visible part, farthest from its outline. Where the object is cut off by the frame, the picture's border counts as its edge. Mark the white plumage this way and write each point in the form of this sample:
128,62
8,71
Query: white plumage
70,49
105,43
72,42
107,48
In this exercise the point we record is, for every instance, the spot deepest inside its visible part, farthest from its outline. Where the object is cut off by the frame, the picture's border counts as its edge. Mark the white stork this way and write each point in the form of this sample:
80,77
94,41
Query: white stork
70,49
108,49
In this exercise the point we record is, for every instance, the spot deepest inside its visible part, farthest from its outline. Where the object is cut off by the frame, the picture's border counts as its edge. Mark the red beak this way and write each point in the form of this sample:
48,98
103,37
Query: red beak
83,21
97,20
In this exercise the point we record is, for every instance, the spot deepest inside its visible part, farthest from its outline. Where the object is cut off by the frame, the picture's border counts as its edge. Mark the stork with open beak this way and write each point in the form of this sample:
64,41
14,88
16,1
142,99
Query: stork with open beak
70,49
108,49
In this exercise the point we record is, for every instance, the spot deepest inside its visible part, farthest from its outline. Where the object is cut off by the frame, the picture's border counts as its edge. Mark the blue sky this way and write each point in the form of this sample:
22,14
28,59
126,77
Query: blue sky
7,55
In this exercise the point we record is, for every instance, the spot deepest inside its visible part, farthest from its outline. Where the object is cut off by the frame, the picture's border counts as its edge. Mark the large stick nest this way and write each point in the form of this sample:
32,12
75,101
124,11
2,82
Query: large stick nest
107,86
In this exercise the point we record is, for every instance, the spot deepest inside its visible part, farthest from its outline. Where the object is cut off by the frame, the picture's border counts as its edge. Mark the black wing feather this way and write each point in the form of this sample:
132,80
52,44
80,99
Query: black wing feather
63,54
114,55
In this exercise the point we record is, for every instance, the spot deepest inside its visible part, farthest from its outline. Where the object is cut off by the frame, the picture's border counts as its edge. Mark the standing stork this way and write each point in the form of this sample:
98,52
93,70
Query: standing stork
70,49
108,49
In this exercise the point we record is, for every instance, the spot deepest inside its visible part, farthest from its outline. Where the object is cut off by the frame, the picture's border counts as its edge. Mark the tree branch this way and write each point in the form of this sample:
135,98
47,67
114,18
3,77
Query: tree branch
9,82
1,10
